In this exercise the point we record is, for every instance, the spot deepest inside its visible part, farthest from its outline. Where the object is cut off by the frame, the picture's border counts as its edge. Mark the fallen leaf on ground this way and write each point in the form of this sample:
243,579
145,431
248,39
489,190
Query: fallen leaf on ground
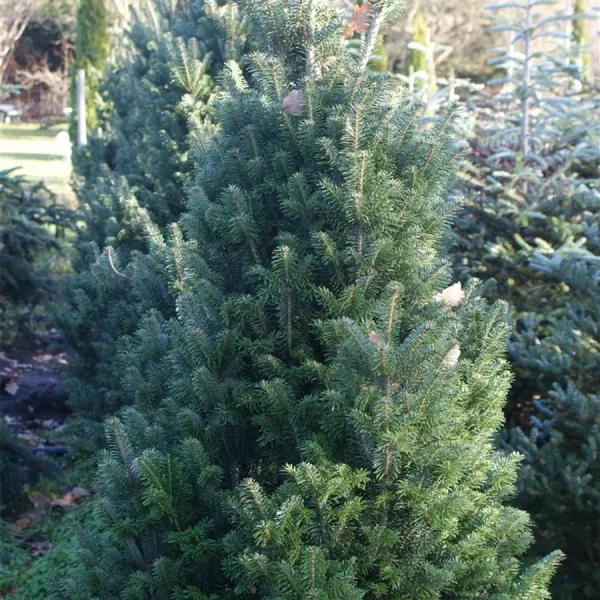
28,520
70,497
80,492
38,500
12,387
39,548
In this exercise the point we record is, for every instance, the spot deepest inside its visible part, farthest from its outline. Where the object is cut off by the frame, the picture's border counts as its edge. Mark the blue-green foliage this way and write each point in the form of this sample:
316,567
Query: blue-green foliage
31,225
135,175
157,93
314,420
32,229
110,301
560,351
531,224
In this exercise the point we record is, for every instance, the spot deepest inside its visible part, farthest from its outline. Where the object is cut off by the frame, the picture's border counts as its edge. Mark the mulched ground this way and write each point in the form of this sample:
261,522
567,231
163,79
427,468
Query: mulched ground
34,407
31,399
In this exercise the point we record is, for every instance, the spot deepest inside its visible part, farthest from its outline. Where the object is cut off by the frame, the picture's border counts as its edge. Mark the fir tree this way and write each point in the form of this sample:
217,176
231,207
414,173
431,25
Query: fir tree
558,351
158,93
421,60
534,215
579,33
325,425
32,229
108,302
28,213
135,173
582,57
379,62
417,61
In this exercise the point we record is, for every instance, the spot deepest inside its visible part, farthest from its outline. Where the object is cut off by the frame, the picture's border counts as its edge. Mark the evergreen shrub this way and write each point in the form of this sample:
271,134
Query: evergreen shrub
531,225
91,54
134,174
559,350
322,424
32,227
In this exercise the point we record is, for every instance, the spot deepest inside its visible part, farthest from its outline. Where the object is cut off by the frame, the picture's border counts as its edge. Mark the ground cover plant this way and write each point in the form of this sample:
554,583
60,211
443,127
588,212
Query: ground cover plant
37,546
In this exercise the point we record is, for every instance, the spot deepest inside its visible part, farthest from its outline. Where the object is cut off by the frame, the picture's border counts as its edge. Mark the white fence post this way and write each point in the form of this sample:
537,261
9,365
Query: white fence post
81,121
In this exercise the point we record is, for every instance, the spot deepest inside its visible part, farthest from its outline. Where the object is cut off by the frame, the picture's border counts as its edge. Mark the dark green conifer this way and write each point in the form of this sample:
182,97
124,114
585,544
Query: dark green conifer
33,227
531,225
91,53
556,354
158,92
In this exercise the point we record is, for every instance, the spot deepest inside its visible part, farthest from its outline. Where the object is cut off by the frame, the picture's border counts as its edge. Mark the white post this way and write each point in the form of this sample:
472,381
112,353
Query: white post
568,29
451,86
81,124
510,67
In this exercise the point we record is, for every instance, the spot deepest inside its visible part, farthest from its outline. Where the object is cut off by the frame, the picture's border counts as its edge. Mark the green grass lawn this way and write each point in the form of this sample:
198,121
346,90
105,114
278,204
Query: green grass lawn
37,155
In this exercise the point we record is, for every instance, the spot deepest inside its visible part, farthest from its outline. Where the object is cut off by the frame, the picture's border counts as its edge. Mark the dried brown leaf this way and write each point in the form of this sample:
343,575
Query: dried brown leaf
361,17
39,548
